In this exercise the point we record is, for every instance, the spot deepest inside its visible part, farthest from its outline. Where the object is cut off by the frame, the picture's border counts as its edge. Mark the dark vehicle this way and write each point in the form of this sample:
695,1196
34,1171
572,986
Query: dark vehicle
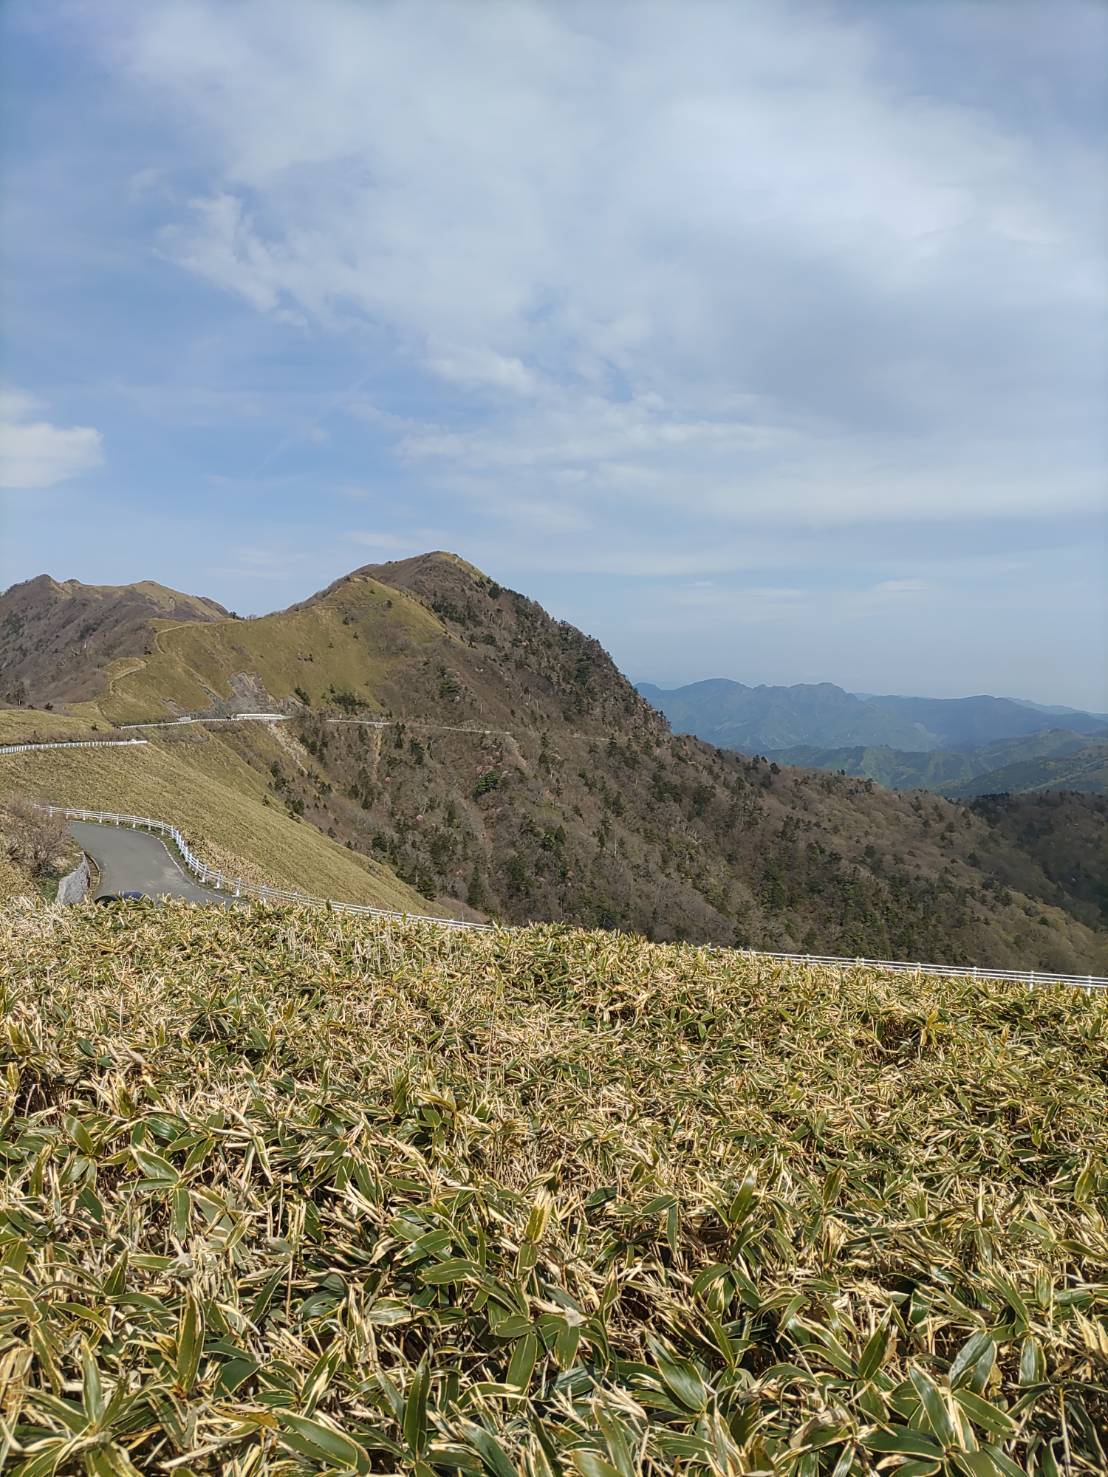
120,897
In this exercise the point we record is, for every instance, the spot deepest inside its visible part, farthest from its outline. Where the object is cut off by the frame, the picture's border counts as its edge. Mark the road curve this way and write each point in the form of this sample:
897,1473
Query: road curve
136,861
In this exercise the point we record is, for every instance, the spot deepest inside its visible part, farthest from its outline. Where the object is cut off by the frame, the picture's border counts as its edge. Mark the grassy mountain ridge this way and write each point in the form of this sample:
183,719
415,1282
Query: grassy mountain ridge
519,772
58,636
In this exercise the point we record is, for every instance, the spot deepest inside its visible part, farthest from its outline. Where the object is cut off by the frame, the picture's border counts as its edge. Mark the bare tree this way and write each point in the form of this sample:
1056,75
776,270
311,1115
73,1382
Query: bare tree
30,835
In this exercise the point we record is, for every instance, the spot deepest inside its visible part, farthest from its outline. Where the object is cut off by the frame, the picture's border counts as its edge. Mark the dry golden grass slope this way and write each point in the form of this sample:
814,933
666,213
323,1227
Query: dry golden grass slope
202,785
193,666
285,1193
33,726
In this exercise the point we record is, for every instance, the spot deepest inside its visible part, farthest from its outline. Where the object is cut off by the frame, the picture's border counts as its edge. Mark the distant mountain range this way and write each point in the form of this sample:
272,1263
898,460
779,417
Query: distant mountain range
958,747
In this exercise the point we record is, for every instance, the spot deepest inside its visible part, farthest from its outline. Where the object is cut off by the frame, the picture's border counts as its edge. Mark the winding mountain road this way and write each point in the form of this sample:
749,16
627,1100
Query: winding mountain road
136,861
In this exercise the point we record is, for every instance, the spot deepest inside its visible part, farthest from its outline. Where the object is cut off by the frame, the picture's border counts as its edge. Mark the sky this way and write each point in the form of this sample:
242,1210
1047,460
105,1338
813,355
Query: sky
767,341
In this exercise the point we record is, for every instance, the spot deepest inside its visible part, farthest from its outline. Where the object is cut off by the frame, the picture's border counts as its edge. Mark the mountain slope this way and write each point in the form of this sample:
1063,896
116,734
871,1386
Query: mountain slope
509,764
213,786
58,636
1053,846
1083,767
1054,758
823,716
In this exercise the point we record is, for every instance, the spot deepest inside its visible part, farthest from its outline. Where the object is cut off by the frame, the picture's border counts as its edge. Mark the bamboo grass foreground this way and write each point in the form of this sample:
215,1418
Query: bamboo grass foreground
289,1192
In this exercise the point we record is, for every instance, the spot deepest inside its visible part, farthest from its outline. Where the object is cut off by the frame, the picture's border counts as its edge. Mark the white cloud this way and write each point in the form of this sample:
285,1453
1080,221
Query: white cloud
36,453
699,257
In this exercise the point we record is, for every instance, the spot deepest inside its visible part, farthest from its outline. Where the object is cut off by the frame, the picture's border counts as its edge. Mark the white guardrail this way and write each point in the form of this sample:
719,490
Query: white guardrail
238,887
72,744
202,718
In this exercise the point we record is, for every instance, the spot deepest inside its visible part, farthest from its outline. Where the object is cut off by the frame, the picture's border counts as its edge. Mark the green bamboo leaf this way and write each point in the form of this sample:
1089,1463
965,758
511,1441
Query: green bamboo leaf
934,1406
522,1362
903,1442
620,1440
156,1170
1014,1300
972,1351
454,1269
681,1378
743,1199
1006,1467
190,1342
80,1136
260,1306
512,1326
673,1228
592,1464
92,1393
415,1410
322,1442
181,1203
709,1276
974,1463
984,1414
1032,1362
46,1458
872,1356
236,1372
493,1455
73,1417
116,1280
565,1345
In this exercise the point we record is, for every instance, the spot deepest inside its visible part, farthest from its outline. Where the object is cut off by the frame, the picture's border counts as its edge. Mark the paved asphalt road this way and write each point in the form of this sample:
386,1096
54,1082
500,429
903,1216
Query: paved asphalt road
136,861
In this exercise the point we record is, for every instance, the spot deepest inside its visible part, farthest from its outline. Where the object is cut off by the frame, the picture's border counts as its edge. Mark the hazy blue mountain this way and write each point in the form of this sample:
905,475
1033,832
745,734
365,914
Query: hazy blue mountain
980,720
823,716
754,719
1056,709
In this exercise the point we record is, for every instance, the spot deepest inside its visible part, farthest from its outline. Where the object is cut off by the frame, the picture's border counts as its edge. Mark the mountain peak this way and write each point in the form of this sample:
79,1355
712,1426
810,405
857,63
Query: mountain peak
423,575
